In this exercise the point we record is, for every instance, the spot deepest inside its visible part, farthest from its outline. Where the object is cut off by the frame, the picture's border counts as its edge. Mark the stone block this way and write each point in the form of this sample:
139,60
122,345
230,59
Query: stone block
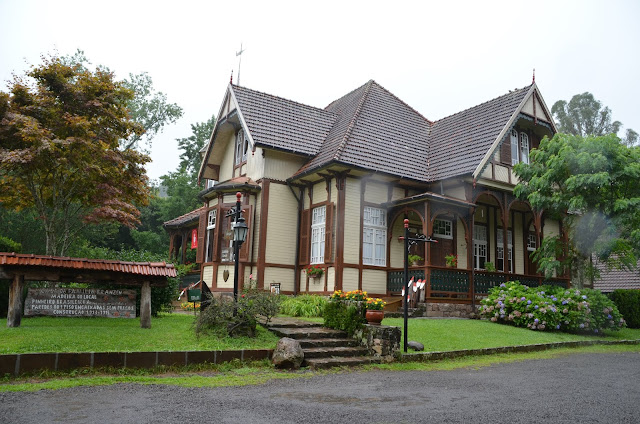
71,361
171,358
288,354
30,362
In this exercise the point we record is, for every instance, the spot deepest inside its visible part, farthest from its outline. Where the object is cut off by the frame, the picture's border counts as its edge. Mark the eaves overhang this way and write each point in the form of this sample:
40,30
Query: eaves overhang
429,196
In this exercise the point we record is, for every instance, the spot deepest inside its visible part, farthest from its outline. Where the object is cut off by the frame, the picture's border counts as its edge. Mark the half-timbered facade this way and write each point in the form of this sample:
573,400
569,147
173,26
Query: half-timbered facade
331,187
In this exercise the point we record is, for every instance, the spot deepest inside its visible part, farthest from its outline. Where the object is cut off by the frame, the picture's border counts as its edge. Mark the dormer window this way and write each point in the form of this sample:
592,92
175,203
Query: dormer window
242,147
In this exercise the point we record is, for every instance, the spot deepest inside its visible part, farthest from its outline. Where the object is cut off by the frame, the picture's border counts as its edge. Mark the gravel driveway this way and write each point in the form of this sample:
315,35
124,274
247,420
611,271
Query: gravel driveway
585,388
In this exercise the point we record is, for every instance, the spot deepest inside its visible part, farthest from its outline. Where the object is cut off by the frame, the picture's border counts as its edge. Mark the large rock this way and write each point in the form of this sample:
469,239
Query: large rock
415,346
288,354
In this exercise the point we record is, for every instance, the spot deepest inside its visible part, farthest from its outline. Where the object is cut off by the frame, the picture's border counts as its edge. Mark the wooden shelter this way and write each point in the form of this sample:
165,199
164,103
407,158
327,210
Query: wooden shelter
21,267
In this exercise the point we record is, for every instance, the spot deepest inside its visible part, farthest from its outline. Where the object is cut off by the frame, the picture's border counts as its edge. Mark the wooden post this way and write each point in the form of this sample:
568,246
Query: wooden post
14,315
145,305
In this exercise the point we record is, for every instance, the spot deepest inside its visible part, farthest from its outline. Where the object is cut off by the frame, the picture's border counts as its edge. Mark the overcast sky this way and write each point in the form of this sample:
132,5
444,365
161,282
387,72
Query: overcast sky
440,57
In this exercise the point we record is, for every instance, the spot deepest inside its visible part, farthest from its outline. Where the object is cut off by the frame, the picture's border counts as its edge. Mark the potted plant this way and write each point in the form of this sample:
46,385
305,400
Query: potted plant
375,310
489,266
415,259
452,260
314,271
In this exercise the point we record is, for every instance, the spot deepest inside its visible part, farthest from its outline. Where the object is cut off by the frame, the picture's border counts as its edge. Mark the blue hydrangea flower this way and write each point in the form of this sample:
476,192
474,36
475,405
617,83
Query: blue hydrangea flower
528,302
535,320
536,307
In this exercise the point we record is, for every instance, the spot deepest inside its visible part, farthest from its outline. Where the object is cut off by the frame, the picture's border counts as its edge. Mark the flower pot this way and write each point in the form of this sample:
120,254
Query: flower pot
315,277
374,317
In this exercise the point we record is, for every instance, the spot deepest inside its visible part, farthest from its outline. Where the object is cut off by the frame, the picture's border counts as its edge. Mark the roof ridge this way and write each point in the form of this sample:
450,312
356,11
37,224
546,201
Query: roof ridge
234,86
354,118
405,103
484,103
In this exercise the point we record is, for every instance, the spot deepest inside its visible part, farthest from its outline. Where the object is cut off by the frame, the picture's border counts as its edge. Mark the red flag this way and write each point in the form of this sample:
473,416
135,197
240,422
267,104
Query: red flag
194,238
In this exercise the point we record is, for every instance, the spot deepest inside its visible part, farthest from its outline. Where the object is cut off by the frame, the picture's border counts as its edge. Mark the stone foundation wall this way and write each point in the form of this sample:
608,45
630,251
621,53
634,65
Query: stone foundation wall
448,310
381,340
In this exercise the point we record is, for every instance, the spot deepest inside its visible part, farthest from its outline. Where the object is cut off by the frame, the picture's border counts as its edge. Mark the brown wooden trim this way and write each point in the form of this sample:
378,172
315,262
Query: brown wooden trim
363,189
340,223
273,265
262,244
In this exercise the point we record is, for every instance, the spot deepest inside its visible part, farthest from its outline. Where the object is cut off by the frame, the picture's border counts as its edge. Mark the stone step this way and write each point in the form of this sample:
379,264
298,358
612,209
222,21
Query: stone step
309,333
291,324
309,343
321,363
333,352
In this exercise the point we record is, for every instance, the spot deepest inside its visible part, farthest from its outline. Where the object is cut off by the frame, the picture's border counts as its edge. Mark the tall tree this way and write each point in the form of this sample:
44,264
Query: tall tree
592,182
60,132
584,115
190,158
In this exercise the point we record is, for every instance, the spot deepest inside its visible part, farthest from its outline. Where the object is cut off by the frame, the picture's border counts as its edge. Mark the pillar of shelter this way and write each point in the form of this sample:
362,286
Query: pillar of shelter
145,305
14,313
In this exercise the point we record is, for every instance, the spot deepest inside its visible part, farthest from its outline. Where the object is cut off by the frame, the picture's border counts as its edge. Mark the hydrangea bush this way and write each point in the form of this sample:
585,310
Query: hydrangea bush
551,308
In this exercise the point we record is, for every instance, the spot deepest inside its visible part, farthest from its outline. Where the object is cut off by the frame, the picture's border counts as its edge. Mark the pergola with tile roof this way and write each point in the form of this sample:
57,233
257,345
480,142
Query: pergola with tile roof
22,267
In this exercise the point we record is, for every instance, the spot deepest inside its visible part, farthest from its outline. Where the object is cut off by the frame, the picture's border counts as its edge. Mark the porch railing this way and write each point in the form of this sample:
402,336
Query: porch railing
461,285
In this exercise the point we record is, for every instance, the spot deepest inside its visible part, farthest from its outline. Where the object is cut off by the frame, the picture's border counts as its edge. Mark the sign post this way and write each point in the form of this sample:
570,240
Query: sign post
194,295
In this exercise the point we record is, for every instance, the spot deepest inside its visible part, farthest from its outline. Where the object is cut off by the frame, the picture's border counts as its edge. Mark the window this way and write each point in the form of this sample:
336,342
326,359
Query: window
211,226
515,157
318,222
531,242
442,228
479,246
374,237
500,250
242,147
226,239
524,147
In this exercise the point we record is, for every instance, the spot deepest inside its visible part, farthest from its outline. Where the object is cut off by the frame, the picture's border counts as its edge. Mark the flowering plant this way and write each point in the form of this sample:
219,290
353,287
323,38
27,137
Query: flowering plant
375,304
350,296
452,260
314,271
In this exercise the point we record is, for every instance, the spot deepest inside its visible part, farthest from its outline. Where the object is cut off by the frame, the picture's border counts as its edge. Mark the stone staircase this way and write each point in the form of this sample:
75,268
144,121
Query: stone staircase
323,347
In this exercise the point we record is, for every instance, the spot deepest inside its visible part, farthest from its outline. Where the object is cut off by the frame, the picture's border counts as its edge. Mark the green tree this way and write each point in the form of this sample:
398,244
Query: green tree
60,132
584,115
190,158
592,183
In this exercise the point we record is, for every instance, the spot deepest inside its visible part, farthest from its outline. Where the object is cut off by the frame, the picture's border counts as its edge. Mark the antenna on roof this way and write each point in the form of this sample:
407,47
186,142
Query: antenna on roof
534,76
239,61
231,80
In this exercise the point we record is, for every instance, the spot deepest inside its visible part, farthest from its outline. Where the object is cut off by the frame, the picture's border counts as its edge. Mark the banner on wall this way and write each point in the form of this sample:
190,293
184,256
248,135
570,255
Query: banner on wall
194,238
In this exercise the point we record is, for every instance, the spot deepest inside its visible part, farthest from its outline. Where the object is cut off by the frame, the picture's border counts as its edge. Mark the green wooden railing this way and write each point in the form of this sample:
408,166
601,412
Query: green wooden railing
395,278
445,282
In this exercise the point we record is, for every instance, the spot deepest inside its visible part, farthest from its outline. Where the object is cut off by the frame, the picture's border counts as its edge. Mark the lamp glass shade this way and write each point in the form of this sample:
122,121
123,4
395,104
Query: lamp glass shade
240,230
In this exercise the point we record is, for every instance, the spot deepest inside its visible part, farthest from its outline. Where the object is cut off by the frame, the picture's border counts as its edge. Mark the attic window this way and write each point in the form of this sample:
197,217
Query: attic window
242,147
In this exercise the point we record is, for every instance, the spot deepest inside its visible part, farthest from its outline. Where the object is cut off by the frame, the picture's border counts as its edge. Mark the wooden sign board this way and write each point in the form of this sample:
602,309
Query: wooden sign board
65,302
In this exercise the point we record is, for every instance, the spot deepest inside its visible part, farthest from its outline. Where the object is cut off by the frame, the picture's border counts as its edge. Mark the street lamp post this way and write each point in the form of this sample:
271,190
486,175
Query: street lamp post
239,236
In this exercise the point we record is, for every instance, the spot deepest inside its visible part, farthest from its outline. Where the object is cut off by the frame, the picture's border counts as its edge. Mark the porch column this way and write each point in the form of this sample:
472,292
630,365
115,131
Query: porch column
505,244
145,305
14,315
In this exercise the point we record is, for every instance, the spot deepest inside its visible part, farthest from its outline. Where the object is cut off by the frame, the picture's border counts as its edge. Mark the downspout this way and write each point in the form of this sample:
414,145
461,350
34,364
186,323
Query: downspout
296,276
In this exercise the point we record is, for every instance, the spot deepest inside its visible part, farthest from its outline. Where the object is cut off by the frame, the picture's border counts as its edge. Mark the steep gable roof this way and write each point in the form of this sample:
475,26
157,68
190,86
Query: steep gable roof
459,142
378,131
283,124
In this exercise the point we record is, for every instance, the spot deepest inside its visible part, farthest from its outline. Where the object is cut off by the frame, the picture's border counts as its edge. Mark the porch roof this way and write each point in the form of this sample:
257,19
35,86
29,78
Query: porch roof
429,196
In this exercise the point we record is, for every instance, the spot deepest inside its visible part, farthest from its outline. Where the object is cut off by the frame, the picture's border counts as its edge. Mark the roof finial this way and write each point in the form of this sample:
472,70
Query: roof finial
534,76
231,80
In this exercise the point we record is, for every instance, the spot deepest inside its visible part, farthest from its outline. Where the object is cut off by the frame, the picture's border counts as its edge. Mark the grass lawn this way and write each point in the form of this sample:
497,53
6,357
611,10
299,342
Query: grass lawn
457,334
168,332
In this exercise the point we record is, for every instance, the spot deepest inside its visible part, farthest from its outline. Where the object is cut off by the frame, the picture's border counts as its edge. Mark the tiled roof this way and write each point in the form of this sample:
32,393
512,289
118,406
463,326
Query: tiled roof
614,279
283,124
460,141
154,269
185,219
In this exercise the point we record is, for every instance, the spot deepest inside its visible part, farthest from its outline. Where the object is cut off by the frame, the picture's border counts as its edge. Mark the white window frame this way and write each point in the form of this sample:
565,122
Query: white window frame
374,236
479,246
531,242
241,147
443,228
211,225
318,226
515,148
500,247
524,148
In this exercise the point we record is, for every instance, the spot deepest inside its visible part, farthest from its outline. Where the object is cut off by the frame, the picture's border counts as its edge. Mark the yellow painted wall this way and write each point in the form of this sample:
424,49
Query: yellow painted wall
352,223
220,279
349,279
374,282
281,226
331,279
397,193
279,165
207,275
492,236
375,192
455,192
213,202
517,244
316,284
256,227
320,192
502,173
396,248
255,164
226,167
279,275
461,245
551,228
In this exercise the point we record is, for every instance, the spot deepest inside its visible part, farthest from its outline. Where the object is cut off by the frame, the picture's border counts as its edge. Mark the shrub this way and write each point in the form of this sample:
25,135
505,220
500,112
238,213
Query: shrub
305,305
551,308
628,303
344,315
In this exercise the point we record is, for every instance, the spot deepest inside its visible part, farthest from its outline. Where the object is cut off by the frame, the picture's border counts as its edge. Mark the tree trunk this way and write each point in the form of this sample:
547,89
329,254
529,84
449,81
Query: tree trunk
14,315
145,305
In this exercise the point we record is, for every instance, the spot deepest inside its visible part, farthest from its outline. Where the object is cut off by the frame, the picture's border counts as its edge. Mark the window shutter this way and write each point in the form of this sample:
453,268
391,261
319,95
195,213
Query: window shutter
505,150
328,234
245,248
305,229
202,228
